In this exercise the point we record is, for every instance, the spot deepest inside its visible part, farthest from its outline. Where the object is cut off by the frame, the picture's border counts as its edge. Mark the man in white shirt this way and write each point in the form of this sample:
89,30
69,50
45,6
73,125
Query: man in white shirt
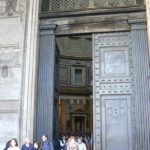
81,145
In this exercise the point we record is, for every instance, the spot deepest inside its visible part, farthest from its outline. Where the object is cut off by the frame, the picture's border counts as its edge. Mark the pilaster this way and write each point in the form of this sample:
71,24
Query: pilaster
46,77
141,81
29,71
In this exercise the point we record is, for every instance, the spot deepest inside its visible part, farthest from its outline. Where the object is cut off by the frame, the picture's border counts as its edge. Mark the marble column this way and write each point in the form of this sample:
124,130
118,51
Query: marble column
141,83
46,81
29,71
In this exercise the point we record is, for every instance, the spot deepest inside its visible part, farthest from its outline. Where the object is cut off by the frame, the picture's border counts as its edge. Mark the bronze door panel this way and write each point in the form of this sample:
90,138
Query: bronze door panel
112,91
116,126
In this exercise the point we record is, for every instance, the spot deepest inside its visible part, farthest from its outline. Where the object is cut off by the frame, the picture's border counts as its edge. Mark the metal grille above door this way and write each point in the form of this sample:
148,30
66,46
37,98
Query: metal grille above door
70,5
112,84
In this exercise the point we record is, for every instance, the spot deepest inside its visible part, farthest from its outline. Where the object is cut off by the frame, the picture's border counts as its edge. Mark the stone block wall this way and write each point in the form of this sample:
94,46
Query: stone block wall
12,31
16,30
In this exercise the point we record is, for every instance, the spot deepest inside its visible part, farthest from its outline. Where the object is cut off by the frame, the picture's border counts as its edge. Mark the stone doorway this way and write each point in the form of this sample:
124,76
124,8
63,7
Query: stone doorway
114,57
75,84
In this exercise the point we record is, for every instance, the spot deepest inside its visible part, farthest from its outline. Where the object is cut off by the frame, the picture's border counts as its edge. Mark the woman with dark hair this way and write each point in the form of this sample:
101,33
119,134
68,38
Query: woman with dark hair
13,144
7,145
36,145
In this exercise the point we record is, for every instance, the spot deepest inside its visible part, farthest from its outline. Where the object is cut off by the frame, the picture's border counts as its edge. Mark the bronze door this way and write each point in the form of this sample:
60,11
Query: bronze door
112,91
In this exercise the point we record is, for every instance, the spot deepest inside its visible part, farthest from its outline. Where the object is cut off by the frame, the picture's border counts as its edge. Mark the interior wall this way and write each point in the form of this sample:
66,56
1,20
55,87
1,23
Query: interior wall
75,53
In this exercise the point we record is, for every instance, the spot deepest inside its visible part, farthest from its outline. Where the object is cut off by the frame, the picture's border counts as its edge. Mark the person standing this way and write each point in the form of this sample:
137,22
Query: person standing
13,144
36,145
88,145
71,144
46,145
63,143
27,145
81,145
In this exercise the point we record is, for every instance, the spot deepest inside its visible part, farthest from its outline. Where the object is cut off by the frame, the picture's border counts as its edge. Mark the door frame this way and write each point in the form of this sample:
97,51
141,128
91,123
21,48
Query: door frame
122,26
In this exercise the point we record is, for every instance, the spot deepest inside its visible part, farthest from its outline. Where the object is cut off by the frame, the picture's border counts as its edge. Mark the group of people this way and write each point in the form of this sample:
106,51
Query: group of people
44,145
75,143
64,143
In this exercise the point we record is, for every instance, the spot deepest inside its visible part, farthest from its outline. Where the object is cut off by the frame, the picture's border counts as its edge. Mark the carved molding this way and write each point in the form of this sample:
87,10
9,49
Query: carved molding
10,7
47,29
137,24
137,21
21,5
5,71
2,7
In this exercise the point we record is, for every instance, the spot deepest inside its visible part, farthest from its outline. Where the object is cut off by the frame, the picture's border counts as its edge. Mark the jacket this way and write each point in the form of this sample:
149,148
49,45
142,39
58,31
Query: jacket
24,147
46,145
